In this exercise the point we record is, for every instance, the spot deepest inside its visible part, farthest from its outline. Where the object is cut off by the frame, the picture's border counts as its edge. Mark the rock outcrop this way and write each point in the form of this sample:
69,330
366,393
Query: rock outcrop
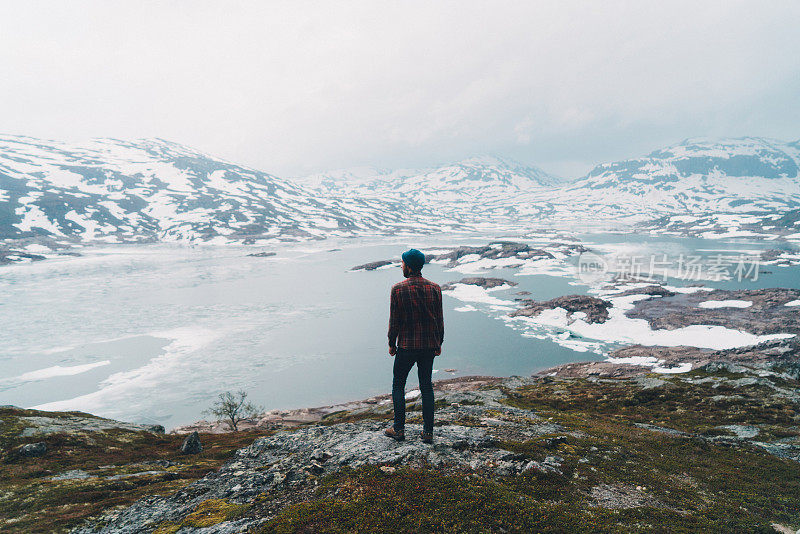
595,309
497,250
480,281
371,266
494,251
282,419
652,290
765,310
467,435
783,354
36,423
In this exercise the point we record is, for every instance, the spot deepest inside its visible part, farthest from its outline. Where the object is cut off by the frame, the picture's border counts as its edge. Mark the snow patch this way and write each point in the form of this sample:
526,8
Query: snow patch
712,304
413,394
471,293
654,363
622,329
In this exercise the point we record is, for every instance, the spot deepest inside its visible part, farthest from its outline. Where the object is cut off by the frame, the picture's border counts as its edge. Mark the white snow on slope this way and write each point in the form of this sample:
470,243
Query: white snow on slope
152,189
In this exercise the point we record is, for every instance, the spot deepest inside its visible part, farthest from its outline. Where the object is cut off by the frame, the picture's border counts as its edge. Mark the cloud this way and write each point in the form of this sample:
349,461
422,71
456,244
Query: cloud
295,87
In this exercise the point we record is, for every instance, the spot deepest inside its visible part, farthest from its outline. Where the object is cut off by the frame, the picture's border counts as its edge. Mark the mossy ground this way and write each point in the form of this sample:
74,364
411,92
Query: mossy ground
208,513
698,402
673,483
30,501
614,475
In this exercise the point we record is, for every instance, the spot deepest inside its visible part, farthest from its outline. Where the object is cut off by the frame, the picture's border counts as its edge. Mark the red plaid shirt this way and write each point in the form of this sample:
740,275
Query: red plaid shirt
415,315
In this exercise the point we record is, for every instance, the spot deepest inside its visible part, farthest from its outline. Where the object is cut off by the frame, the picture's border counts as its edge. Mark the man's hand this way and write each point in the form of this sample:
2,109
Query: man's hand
392,350
437,352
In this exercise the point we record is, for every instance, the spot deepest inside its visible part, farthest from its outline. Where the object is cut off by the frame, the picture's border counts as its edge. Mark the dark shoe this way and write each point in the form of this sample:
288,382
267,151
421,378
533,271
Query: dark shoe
427,437
392,433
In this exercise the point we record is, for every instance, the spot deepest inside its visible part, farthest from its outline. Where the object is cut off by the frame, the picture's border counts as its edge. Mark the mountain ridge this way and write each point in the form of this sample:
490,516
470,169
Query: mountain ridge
152,189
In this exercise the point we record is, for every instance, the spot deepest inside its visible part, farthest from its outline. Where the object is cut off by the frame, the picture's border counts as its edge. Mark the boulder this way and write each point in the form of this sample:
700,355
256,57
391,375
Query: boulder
33,449
315,468
320,455
192,445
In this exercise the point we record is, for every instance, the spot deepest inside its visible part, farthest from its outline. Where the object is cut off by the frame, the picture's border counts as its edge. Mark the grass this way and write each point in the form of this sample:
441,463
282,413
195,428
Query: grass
432,500
680,404
30,501
207,514
411,500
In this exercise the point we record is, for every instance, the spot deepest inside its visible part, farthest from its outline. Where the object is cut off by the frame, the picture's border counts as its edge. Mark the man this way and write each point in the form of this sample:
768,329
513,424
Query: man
416,333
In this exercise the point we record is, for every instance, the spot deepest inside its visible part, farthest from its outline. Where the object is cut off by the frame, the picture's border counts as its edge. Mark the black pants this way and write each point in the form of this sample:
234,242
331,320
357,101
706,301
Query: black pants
403,362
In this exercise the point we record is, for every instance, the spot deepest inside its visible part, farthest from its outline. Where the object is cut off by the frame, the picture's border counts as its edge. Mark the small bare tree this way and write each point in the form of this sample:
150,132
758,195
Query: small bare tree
232,408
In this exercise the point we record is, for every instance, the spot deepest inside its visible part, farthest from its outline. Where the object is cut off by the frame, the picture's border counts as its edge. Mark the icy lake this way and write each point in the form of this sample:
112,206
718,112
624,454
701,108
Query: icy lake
152,333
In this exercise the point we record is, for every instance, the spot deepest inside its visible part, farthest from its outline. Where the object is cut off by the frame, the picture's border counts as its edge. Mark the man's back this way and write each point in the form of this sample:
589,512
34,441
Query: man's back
416,333
415,320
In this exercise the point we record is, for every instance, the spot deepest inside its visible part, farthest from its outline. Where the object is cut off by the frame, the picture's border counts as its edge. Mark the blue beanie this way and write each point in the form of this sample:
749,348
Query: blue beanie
414,259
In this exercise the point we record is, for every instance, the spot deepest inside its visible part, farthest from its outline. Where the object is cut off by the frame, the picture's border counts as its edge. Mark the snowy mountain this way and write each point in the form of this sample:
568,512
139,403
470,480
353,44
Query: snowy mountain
483,178
728,175
353,179
110,190
694,176
120,191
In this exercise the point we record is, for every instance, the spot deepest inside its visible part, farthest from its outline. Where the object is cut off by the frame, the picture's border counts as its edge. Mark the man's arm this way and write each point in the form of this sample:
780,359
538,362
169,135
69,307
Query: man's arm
439,316
394,321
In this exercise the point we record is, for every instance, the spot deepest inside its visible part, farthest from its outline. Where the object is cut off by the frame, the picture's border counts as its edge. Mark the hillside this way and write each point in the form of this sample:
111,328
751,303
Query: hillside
580,448
484,178
119,191
698,177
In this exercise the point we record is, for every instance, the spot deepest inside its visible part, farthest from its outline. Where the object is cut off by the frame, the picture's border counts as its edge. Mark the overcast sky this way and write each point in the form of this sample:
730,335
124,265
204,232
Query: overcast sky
298,87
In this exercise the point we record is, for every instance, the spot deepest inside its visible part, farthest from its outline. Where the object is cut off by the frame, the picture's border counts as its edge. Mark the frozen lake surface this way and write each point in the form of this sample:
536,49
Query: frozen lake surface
153,333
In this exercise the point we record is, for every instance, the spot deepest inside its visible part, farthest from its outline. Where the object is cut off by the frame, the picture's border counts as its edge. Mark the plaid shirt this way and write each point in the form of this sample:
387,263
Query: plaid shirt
415,318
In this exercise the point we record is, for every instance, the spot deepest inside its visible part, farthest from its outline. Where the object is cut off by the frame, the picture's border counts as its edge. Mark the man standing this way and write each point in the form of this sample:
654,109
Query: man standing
416,333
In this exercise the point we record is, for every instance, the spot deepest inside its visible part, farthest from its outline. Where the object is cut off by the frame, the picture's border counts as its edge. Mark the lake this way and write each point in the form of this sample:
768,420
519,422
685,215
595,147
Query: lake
152,333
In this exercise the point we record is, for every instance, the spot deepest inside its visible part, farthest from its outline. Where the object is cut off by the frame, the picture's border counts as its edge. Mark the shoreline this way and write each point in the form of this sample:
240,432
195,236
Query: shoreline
633,361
